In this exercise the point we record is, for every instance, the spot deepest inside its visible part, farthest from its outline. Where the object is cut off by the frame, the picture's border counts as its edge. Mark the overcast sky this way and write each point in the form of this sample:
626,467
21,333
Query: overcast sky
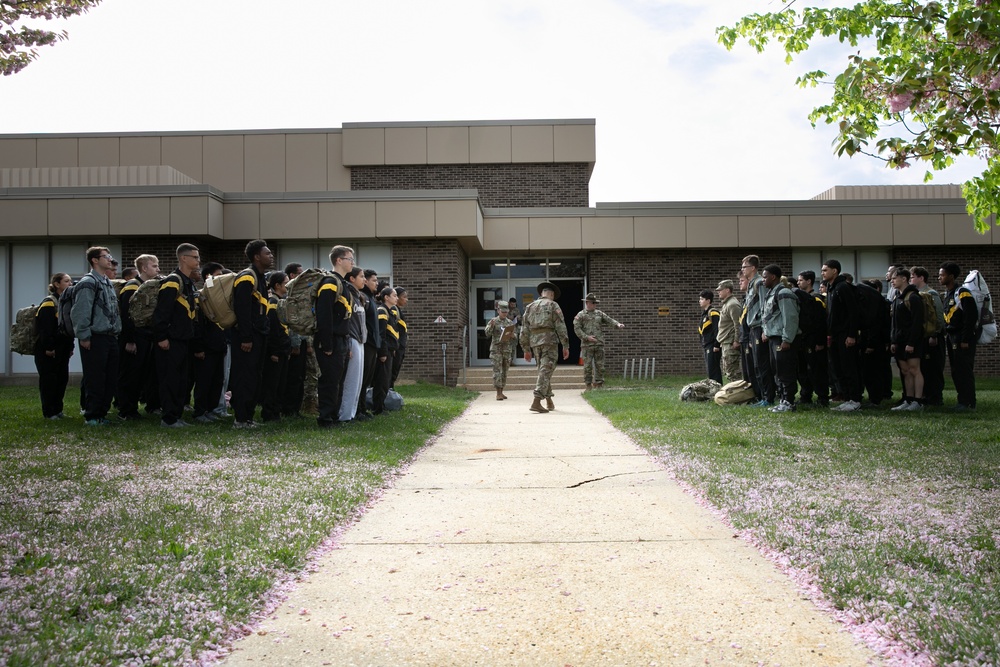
678,117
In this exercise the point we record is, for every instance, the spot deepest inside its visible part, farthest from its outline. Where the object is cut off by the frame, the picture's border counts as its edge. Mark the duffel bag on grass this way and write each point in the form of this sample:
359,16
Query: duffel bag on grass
702,390
393,400
735,393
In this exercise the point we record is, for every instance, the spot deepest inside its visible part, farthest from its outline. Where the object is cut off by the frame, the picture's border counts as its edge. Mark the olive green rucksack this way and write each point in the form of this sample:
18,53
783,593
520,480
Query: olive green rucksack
930,314
297,310
143,303
24,331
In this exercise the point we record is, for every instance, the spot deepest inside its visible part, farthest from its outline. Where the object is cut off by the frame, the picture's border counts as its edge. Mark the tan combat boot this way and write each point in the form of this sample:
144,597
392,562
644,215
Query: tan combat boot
549,404
500,395
536,406
589,387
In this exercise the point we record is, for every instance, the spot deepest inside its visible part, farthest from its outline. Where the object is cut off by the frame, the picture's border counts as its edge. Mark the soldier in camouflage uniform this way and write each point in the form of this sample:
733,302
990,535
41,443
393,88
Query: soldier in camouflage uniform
543,329
500,351
730,313
515,317
589,328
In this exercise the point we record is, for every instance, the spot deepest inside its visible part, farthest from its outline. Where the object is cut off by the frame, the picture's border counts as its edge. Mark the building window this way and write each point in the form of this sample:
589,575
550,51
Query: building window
528,268
862,264
489,268
317,255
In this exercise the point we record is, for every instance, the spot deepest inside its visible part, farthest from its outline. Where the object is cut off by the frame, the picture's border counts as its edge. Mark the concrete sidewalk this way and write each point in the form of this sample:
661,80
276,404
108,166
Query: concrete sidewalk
530,539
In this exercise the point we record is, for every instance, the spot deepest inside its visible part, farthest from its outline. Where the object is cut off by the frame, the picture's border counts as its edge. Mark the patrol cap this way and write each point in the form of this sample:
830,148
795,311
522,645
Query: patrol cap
725,284
503,307
547,285
591,297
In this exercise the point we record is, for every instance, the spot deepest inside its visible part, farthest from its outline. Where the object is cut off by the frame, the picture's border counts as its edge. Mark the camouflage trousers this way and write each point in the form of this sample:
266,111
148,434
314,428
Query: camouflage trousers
546,357
501,362
310,397
593,363
732,366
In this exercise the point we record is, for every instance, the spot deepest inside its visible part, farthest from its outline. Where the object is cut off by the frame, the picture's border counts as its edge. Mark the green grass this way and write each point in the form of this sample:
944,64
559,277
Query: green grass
895,516
130,543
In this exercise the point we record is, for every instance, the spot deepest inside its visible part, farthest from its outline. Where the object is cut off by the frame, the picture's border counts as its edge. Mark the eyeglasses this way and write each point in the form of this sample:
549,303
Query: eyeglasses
107,257
348,259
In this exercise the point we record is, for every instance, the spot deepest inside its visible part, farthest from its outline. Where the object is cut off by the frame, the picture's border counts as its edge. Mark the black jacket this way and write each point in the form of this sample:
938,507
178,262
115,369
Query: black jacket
47,324
128,326
211,337
961,315
354,326
371,320
387,330
278,342
250,304
334,309
908,318
175,309
401,326
842,318
709,328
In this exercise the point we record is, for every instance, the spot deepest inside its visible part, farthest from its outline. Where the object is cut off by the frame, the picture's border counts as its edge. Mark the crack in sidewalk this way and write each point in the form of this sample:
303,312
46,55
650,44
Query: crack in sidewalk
598,479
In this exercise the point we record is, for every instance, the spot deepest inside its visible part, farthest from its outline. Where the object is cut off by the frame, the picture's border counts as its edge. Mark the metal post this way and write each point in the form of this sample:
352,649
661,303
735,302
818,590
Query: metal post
653,374
444,361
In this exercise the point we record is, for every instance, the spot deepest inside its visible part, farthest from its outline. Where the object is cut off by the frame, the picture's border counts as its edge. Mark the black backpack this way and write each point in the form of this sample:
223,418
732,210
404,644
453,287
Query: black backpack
66,303
812,315
871,310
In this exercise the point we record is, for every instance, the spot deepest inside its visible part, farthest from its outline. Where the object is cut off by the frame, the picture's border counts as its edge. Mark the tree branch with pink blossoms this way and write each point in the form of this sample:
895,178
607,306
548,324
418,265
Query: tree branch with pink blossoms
932,63
18,39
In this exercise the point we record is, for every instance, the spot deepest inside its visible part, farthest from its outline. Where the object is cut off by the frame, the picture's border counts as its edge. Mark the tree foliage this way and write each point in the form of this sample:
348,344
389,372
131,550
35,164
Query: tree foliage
18,32
922,85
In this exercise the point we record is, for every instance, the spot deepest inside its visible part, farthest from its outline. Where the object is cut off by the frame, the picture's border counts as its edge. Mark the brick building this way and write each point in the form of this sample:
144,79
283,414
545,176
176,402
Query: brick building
459,213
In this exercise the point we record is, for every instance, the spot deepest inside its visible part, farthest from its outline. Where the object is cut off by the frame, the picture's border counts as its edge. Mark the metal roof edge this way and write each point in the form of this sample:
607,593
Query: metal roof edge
472,123
93,191
170,133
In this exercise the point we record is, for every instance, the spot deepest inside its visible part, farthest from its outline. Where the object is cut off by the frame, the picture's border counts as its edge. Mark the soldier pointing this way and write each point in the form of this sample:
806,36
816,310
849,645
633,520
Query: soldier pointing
589,328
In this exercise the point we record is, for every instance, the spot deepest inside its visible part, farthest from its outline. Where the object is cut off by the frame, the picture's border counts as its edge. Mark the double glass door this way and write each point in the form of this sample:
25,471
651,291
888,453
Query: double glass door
517,279
487,295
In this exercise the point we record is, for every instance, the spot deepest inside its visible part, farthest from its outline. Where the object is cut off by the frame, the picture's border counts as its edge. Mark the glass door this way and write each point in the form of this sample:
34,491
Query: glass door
524,291
516,279
486,296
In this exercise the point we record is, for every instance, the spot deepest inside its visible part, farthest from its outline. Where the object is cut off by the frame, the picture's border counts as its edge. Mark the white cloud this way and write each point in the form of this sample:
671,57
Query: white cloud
678,117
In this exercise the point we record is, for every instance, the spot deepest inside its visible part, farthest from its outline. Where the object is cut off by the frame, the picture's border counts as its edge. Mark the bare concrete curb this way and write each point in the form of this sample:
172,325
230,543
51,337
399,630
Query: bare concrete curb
543,539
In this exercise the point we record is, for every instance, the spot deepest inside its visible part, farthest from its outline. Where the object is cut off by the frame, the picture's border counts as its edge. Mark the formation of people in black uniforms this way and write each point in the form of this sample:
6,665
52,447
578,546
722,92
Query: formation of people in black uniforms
838,339
157,366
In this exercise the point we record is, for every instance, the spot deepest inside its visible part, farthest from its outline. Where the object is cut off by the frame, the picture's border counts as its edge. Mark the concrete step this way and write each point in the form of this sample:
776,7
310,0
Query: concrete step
565,378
